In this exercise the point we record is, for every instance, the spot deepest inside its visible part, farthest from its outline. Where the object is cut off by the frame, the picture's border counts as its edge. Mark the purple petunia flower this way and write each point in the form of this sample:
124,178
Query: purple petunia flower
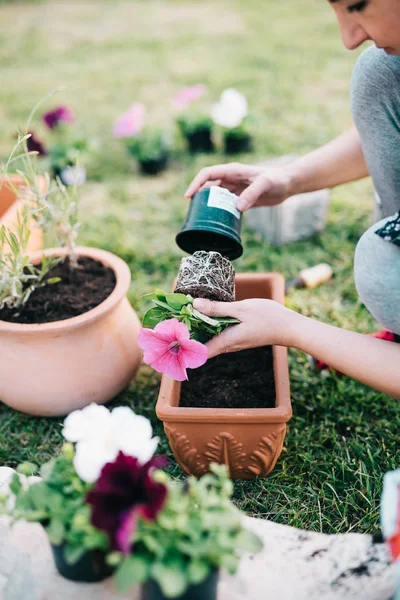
124,492
34,144
61,114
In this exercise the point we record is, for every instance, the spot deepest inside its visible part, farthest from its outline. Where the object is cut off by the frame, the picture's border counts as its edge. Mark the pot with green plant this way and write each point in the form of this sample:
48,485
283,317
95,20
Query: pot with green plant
69,334
197,129
151,146
194,124
231,409
231,114
97,442
67,151
106,505
238,140
197,534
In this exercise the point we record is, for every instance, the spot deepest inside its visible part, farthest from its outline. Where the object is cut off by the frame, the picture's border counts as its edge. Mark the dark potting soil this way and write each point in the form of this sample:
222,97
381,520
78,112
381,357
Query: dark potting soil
79,290
242,379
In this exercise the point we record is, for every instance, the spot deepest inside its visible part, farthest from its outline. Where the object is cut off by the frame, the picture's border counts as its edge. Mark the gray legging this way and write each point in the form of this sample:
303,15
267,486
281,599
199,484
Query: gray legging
375,103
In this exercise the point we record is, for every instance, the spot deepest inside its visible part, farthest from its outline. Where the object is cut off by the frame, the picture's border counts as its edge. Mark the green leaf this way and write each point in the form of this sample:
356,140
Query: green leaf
249,541
229,563
208,320
56,531
165,305
170,577
53,280
15,485
198,571
133,570
176,301
27,468
73,553
154,316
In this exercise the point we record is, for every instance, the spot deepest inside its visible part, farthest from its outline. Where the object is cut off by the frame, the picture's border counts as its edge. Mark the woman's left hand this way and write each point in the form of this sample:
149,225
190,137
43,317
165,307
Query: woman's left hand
262,323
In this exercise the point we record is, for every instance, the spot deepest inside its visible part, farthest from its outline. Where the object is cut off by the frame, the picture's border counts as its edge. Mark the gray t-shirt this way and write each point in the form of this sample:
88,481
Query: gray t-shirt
375,102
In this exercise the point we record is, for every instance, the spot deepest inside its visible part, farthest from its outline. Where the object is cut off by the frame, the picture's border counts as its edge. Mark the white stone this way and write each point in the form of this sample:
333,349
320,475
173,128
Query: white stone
294,565
299,217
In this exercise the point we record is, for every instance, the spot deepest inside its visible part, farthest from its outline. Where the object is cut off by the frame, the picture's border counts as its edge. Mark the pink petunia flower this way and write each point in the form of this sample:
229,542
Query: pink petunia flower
189,94
61,114
169,349
130,122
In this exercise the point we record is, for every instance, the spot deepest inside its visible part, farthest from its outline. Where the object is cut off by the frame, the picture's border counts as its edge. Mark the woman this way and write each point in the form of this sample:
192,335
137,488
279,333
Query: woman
372,147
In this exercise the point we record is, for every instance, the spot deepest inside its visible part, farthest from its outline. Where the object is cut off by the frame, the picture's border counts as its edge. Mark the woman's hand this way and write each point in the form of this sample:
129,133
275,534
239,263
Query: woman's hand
262,322
255,185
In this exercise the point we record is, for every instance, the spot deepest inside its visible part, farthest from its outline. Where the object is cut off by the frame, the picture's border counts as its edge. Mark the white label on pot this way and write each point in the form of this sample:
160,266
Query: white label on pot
223,199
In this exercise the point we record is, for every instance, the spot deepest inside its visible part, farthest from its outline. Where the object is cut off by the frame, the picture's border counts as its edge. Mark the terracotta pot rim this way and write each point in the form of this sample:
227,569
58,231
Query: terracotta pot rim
123,279
280,414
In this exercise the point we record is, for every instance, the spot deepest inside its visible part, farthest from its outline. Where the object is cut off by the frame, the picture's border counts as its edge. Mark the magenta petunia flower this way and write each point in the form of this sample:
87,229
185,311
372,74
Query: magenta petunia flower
189,94
61,114
131,122
34,144
124,492
169,349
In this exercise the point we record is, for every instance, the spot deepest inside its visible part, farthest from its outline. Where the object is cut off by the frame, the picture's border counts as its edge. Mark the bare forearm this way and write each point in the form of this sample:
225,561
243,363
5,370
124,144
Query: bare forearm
374,362
339,161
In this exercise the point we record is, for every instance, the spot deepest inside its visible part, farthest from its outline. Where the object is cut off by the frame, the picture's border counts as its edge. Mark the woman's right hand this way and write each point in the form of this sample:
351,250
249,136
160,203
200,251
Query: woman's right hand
256,185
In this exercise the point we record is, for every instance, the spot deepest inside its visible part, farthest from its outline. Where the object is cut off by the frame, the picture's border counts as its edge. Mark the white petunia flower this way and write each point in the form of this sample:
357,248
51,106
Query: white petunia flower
92,455
134,433
73,175
88,422
231,109
100,435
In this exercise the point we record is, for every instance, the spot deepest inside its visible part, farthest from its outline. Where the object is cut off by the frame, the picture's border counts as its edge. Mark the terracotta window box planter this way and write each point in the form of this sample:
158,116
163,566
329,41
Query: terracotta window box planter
9,207
51,369
248,441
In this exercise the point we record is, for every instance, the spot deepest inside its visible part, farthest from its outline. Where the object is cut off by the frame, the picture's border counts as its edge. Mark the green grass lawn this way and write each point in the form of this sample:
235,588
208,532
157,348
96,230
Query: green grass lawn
287,58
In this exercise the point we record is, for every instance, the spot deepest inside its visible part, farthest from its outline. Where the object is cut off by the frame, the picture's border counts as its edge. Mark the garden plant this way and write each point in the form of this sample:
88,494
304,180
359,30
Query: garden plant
106,505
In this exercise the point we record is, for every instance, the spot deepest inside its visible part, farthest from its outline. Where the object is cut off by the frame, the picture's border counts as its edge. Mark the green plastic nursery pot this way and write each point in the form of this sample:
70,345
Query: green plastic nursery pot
90,568
203,591
212,223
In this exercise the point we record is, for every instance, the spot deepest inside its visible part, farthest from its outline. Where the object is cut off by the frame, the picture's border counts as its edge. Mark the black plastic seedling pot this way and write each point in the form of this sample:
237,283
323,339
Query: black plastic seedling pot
90,568
212,223
203,591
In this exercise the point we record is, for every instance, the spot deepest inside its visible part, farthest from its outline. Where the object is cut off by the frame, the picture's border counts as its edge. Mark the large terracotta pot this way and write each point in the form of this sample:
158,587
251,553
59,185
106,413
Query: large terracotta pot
10,205
54,368
248,441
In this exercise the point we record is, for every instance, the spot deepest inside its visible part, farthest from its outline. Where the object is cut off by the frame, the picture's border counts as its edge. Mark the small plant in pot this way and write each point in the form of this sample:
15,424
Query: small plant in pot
197,130
194,124
231,114
67,149
151,146
196,534
99,443
82,323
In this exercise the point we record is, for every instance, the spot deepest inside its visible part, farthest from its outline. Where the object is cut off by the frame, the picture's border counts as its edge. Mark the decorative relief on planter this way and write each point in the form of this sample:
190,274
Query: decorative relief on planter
185,454
263,460
224,448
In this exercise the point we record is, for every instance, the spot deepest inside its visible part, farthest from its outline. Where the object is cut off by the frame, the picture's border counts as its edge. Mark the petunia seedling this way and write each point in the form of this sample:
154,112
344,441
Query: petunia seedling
180,306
